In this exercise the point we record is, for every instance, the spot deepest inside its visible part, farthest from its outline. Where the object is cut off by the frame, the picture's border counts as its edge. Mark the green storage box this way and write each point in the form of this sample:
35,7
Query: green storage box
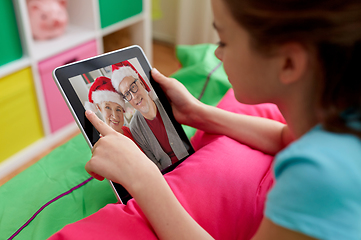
10,44
113,11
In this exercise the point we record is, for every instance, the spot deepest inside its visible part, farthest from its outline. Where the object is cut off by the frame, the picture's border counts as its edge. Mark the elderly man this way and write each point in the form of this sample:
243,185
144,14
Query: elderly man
150,126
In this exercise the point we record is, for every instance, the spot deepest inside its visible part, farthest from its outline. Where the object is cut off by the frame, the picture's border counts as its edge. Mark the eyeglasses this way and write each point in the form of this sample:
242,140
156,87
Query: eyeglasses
133,88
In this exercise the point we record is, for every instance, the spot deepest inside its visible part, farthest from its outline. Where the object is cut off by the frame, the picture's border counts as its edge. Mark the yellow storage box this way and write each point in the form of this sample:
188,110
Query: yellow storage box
20,123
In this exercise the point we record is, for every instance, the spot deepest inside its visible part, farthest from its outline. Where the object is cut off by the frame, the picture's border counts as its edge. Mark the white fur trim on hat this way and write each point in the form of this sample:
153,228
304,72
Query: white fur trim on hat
119,74
90,106
107,96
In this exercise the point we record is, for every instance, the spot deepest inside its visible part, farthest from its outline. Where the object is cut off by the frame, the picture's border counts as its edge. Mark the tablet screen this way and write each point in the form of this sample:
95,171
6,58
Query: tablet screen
123,94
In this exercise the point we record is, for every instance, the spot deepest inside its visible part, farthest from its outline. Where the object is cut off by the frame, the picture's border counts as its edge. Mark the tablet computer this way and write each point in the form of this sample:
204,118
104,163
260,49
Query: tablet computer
119,88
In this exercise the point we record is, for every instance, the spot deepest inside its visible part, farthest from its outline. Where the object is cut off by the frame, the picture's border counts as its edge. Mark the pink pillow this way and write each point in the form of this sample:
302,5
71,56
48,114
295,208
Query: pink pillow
223,186
229,103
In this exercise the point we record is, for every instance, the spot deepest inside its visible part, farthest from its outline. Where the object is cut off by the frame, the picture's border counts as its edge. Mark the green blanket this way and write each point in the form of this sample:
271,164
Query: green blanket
57,190
23,196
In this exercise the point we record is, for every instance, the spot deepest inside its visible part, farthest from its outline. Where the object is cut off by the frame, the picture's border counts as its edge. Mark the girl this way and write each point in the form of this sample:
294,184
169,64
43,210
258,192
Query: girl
302,55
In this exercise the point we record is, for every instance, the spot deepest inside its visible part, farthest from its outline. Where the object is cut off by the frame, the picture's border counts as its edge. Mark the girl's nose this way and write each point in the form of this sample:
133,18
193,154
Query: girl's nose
218,53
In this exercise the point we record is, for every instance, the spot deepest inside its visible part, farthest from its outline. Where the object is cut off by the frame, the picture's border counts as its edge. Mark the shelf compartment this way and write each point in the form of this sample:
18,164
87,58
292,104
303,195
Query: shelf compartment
57,110
20,123
10,44
114,11
81,28
14,66
73,37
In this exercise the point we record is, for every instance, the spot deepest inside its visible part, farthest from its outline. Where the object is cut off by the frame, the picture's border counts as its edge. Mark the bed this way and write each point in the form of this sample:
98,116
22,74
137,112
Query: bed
225,194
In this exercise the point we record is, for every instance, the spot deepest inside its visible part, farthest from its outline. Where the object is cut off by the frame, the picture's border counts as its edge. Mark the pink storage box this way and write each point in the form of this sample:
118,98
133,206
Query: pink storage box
58,113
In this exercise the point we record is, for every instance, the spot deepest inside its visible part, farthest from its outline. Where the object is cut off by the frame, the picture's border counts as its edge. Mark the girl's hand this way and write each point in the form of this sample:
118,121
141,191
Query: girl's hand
116,157
186,108
266,135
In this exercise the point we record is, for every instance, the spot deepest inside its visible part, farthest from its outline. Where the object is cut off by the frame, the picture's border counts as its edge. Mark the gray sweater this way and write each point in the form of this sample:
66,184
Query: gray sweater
145,138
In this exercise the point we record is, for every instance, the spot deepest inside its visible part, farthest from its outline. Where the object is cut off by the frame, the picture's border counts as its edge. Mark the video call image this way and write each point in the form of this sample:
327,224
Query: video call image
122,96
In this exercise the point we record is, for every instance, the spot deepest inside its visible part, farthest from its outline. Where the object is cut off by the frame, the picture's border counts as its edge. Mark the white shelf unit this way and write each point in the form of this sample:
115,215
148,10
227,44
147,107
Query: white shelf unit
84,25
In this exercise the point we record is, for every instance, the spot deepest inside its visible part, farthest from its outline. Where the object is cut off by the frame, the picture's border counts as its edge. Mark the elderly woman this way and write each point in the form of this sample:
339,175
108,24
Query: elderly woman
103,97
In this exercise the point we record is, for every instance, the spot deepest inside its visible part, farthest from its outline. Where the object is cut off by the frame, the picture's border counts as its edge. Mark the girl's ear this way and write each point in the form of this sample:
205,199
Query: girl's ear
294,62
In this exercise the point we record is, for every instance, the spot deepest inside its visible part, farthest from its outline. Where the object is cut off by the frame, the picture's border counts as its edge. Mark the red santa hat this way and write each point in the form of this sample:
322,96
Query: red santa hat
102,90
125,69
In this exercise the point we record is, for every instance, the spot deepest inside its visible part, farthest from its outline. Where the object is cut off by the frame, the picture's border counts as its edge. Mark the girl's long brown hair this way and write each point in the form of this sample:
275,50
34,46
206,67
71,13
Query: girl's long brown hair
333,29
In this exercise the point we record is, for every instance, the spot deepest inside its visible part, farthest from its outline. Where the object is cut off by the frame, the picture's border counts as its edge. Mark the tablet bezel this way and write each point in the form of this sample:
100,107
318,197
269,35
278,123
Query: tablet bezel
62,75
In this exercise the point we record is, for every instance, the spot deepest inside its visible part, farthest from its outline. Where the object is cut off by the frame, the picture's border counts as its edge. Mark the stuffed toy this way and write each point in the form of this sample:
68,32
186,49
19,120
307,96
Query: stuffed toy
48,18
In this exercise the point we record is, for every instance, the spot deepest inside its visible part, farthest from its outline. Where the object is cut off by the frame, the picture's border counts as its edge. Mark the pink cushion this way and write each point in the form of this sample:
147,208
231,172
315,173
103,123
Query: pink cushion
229,103
223,186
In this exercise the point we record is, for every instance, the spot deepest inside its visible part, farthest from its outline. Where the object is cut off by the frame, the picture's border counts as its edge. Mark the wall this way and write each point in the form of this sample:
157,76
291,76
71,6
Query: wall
165,29
185,22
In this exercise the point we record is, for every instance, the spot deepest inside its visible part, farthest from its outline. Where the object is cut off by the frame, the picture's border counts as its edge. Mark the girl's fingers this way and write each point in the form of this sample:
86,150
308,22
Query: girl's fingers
101,126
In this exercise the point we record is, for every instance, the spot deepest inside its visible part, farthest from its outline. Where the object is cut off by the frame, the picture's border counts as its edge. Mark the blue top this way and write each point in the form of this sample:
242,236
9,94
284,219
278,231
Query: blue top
318,186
